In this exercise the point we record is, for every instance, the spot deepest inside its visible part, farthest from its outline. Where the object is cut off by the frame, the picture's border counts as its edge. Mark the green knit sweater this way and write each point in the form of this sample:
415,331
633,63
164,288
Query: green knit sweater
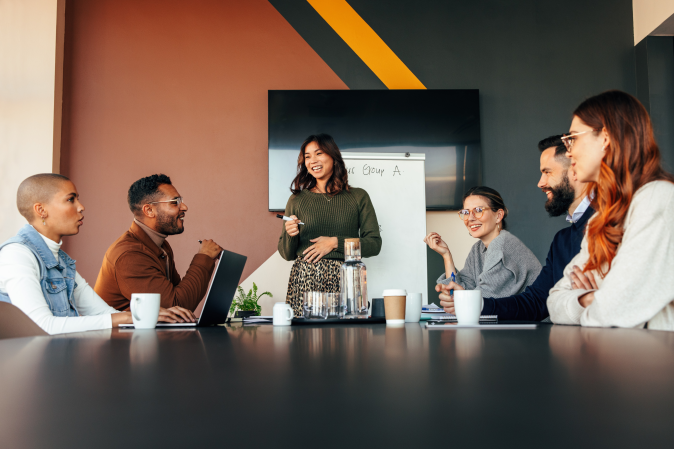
343,216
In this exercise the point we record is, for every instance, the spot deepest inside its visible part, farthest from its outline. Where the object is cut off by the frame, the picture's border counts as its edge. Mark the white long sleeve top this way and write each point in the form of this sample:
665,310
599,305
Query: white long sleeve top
20,279
639,288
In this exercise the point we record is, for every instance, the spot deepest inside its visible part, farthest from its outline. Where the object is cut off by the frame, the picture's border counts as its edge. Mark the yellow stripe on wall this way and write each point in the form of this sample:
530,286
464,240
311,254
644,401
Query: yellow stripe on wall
366,44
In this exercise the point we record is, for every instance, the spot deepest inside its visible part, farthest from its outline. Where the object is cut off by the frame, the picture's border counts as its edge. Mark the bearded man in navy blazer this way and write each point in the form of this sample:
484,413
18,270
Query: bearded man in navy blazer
566,195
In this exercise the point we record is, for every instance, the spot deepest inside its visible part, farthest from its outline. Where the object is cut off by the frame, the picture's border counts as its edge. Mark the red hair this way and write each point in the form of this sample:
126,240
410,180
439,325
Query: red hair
632,160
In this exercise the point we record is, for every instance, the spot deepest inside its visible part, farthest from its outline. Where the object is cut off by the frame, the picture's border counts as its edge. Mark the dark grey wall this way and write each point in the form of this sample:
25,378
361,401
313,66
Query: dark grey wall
655,89
533,61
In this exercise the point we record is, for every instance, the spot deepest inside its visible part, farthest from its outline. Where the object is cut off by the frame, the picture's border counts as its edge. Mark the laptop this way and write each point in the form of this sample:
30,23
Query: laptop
220,293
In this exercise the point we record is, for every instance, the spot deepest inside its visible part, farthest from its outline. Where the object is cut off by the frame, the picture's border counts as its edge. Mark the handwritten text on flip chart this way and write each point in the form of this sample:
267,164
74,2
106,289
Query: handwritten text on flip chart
370,170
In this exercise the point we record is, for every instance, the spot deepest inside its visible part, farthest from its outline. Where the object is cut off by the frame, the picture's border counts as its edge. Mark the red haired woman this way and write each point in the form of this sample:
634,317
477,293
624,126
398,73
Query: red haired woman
623,274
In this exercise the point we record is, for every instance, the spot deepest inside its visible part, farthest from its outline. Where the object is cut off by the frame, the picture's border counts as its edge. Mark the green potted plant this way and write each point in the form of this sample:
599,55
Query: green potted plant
247,304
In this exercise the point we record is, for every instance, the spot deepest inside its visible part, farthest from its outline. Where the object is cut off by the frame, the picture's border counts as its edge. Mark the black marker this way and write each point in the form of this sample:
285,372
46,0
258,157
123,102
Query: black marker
284,218
219,255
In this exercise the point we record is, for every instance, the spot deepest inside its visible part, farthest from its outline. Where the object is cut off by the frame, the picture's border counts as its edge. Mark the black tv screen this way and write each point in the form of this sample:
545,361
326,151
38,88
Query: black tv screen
443,124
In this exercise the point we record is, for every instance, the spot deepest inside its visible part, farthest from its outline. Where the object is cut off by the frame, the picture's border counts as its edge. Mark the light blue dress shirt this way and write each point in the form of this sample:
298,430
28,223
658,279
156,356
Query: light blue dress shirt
580,210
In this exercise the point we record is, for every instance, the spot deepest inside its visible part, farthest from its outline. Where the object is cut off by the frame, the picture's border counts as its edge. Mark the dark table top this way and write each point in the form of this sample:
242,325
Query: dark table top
339,386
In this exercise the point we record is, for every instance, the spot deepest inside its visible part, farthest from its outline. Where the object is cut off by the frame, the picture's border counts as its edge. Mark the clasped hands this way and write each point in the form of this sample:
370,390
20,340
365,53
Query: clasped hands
447,299
583,281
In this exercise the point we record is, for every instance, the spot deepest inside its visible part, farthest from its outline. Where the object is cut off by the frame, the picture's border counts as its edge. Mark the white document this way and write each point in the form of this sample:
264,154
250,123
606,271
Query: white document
479,326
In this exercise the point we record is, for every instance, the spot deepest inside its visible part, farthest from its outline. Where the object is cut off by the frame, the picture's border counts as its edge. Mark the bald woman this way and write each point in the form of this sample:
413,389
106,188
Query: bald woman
40,278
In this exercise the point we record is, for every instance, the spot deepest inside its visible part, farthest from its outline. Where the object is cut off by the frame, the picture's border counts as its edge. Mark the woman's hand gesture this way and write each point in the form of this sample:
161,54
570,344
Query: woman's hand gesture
435,242
292,226
321,246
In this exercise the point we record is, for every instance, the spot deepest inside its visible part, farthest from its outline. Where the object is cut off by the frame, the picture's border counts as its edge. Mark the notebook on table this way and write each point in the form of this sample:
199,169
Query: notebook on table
432,312
452,317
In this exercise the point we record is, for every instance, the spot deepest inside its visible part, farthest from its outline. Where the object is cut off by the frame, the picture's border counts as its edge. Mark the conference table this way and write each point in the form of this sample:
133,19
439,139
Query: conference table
342,385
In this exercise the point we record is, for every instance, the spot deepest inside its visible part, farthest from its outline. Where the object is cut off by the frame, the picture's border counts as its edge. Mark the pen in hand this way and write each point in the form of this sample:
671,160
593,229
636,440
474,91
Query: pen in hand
451,292
219,255
284,218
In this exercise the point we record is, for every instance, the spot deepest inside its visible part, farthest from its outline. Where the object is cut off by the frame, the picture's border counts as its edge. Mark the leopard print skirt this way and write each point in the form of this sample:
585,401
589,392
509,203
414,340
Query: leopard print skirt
322,276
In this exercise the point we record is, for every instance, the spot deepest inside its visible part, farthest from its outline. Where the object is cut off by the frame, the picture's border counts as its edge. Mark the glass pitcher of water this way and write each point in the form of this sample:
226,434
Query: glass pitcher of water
353,281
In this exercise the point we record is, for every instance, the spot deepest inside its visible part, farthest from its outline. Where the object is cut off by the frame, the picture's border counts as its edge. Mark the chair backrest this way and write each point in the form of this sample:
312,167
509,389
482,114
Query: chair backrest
14,323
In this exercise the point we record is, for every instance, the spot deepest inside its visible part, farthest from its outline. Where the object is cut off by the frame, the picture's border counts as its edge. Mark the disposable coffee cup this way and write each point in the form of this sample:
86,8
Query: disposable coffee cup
394,306
468,306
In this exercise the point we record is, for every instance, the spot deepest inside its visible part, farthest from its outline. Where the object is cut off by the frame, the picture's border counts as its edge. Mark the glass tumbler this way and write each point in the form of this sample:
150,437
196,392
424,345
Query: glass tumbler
315,305
336,308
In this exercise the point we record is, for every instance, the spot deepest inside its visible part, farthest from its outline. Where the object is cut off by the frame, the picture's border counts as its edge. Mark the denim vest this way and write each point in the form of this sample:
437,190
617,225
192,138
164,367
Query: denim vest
57,277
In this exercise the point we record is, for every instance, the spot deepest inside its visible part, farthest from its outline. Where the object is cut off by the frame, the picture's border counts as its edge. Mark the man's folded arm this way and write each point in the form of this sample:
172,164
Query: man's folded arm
138,273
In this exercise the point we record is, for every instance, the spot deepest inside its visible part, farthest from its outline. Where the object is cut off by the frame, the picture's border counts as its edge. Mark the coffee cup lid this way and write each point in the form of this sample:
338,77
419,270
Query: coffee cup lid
395,292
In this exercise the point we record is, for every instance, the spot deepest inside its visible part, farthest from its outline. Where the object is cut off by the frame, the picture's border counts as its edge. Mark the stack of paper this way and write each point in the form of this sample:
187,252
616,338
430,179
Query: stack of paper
435,313
258,320
482,325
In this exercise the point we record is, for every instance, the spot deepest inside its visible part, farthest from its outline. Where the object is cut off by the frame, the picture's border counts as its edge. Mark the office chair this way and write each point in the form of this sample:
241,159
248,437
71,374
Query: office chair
15,324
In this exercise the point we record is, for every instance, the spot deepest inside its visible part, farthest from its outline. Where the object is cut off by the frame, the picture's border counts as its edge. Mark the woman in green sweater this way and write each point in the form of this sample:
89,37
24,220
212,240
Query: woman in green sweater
331,211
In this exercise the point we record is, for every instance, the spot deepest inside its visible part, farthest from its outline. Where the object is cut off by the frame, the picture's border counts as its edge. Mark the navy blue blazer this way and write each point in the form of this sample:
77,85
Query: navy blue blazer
531,304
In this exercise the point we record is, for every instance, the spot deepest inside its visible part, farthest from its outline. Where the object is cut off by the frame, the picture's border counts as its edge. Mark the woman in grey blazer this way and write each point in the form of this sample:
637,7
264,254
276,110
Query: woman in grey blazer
499,264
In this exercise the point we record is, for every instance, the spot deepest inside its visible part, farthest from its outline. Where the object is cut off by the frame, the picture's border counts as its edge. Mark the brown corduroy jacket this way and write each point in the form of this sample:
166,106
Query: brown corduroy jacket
134,264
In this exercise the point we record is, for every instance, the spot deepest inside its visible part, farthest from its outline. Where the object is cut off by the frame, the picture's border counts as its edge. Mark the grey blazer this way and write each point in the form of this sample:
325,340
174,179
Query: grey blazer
503,269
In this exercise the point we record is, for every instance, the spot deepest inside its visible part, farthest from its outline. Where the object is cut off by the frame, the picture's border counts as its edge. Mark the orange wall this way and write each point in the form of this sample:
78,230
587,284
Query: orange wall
178,87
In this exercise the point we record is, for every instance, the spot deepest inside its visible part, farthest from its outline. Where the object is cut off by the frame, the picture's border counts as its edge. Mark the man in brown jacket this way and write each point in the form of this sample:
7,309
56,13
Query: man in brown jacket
141,260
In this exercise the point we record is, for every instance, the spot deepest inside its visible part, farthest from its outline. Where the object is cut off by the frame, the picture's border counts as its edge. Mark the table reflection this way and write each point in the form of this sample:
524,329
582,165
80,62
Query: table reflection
613,349
627,366
468,343
465,344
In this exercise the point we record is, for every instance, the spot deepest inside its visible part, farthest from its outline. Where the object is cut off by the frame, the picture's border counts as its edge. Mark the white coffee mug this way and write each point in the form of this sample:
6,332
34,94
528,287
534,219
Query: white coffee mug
283,314
413,308
145,310
468,306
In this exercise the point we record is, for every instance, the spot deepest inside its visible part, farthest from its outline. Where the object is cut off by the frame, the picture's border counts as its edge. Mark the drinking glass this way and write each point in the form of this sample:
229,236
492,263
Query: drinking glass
315,305
336,308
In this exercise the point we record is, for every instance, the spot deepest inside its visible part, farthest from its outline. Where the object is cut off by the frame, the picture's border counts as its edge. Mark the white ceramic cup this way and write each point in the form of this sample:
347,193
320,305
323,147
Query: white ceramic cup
283,314
468,306
145,310
413,308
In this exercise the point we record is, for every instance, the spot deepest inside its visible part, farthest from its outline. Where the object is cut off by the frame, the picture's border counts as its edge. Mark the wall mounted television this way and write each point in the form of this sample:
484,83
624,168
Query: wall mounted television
443,124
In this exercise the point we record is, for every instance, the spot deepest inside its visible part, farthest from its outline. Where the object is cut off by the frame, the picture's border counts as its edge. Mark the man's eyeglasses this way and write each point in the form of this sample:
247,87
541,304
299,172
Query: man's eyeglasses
477,212
177,201
569,139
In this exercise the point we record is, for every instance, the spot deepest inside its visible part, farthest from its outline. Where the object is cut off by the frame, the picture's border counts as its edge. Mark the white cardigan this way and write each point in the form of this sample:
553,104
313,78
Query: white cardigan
639,288
20,279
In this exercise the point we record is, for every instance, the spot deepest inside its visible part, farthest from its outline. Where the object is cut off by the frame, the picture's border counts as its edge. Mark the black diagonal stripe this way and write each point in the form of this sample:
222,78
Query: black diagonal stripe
327,43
